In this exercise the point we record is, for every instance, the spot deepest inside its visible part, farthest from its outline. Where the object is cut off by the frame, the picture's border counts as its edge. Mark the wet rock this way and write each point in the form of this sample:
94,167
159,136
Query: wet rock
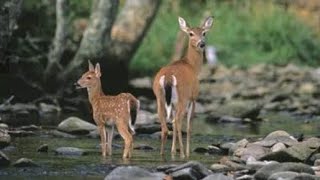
30,127
19,114
43,148
24,162
252,163
5,138
70,151
217,176
214,150
267,171
289,175
4,160
147,128
133,173
229,119
166,167
219,168
21,133
297,153
48,108
62,134
143,147
225,147
74,125
312,142
189,170
200,150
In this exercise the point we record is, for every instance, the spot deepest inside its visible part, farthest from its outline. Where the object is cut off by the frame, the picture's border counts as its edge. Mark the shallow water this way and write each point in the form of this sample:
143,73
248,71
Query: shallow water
93,166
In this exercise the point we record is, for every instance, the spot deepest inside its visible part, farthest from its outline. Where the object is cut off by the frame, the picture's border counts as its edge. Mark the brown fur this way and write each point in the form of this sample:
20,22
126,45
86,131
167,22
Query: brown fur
186,72
110,111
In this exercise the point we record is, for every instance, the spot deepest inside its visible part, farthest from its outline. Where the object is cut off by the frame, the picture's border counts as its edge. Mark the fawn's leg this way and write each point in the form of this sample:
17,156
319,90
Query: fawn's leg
174,137
178,118
110,137
123,130
189,124
102,131
164,128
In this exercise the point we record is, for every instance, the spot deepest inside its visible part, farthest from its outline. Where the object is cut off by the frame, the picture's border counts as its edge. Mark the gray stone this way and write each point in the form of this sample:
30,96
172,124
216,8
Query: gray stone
289,175
219,168
62,134
277,136
133,173
75,125
24,162
185,174
253,150
296,153
217,176
265,172
277,147
4,160
43,148
70,151
147,128
143,147
21,133
191,169
5,138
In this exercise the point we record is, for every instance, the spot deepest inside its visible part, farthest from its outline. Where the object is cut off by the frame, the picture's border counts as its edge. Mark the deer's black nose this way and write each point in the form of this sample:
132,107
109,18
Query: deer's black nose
202,44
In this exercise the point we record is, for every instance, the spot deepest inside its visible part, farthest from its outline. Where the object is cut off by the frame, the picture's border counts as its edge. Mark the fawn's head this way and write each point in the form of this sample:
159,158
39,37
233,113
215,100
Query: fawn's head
196,34
91,78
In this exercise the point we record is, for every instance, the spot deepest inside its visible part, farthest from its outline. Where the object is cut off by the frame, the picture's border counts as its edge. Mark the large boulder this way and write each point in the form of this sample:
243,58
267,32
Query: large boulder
277,137
133,173
297,153
70,151
267,171
75,125
190,170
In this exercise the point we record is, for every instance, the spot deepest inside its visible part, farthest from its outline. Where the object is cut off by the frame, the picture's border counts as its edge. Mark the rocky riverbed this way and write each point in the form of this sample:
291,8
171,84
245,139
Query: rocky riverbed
257,123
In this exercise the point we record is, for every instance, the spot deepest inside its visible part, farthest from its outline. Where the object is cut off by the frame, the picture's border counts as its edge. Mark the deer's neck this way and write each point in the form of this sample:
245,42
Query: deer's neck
95,92
194,58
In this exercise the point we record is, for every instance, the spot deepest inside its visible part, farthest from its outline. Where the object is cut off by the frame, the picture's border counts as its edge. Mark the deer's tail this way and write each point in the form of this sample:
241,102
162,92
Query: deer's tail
133,107
170,92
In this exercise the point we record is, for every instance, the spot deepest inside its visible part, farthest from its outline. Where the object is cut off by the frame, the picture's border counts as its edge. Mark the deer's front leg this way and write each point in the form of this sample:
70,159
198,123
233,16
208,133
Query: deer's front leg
110,137
102,131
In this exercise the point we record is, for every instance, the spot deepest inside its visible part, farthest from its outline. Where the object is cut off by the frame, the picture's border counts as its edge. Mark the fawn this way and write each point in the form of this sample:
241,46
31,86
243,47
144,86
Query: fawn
176,86
120,110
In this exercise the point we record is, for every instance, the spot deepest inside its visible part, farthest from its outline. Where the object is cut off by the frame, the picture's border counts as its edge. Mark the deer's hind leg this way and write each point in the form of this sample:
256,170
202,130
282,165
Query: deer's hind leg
123,130
162,118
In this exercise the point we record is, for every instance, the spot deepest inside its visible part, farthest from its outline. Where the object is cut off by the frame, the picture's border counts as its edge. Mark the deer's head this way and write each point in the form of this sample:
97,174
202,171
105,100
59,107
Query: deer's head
91,78
196,34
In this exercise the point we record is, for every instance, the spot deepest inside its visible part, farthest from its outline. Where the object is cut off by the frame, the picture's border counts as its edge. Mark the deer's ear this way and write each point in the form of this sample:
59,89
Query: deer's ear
183,25
91,68
97,70
207,23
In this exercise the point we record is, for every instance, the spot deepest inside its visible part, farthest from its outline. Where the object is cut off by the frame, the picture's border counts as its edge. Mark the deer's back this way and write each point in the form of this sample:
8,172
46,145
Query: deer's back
187,80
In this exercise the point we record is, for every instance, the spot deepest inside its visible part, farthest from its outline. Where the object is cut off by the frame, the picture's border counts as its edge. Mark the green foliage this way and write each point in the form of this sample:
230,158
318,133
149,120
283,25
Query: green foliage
244,32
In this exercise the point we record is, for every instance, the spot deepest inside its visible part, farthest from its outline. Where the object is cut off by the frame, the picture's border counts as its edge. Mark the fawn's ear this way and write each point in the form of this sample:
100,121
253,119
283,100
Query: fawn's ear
97,70
183,25
91,68
207,23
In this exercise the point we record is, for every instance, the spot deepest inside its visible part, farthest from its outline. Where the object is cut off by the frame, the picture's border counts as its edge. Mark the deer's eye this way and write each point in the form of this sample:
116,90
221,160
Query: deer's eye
89,77
204,34
191,34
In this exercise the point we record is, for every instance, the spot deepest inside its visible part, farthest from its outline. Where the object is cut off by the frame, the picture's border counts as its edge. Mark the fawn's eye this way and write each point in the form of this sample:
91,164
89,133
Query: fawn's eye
191,34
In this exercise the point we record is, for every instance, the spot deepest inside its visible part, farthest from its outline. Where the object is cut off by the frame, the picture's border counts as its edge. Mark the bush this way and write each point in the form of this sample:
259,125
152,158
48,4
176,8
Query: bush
244,32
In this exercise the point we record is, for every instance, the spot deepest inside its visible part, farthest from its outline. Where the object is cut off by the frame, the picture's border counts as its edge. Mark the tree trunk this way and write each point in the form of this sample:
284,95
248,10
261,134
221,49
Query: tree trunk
9,13
59,41
113,50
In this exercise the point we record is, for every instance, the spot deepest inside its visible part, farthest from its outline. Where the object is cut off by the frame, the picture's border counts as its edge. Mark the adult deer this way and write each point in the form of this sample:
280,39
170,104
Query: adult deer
120,110
177,86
